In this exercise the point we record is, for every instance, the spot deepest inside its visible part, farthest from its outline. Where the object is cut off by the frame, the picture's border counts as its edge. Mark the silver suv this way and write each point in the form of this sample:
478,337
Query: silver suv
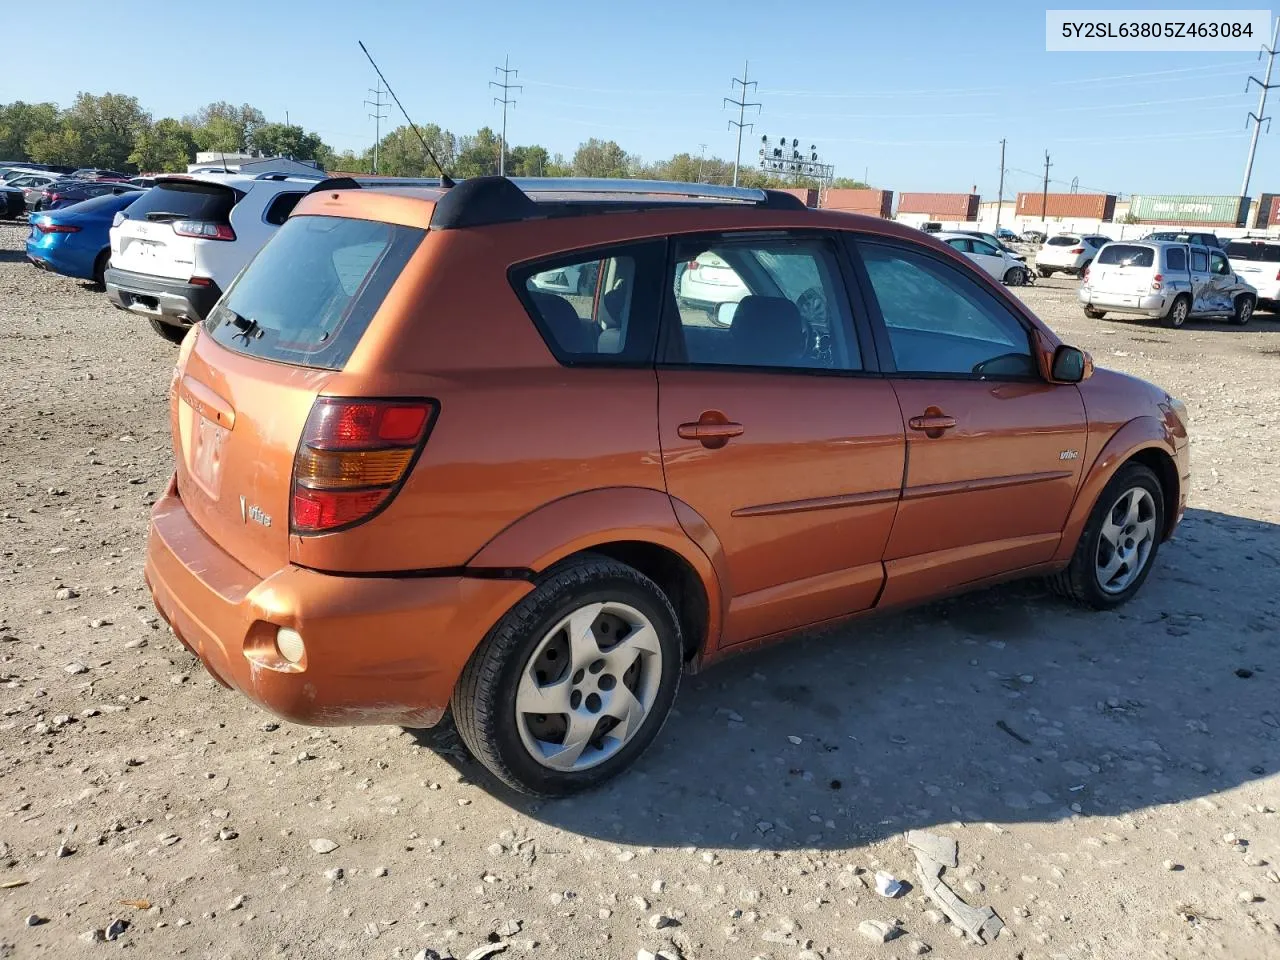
1172,282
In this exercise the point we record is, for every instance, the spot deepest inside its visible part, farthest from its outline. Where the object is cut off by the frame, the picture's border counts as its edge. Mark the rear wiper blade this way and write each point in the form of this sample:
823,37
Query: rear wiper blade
247,326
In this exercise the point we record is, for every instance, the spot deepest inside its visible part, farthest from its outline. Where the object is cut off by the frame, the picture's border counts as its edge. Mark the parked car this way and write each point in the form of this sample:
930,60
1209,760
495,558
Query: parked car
1069,253
1257,261
75,241
1183,236
1034,236
97,173
63,193
1005,235
344,543
176,250
13,202
988,237
26,166
931,226
996,261
706,282
9,174
1172,282
32,186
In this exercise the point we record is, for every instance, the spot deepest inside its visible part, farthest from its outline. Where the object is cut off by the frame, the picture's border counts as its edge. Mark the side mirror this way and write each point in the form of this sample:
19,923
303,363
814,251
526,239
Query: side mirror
1071,365
724,314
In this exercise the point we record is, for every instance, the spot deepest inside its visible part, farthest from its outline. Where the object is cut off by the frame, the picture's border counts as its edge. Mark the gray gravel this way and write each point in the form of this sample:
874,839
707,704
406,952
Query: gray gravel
756,824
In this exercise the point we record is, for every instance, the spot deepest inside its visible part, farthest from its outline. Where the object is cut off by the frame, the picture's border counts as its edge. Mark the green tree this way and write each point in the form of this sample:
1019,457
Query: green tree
558,166
847,183
601,158
477,154
528,162
225,127
62,144
108,124
286,140
400,153
20,121
167,147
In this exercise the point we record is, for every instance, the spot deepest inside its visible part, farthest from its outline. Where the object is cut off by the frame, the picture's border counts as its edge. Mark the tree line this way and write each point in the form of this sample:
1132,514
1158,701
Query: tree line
112,130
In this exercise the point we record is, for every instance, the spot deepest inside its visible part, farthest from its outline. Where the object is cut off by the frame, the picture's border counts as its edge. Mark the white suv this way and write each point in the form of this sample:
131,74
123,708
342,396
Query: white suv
180,244
1068,253
1257,262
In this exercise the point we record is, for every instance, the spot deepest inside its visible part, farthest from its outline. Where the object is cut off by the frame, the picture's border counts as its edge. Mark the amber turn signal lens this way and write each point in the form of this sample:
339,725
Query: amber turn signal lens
345,469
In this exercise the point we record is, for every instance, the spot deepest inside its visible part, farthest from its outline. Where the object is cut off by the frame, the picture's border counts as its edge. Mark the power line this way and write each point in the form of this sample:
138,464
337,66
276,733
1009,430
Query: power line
742,109
506,86
1000,192
377,116
1044,196
1257,118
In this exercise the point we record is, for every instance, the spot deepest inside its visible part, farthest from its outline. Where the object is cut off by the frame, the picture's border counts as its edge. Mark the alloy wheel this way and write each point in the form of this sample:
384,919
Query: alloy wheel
1126,540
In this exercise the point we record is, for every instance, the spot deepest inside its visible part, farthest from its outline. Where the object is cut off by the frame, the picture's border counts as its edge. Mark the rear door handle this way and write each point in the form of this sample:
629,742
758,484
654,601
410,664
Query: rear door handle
932,422
709,431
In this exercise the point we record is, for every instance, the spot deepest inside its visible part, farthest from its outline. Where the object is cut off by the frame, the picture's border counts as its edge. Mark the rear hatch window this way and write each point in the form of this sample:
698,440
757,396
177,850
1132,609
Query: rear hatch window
186,200
1063,241
1127,254
1258,252
308,296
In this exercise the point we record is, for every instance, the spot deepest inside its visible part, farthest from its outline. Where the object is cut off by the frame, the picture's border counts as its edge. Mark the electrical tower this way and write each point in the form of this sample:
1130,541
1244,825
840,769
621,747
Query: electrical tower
742,106
1257,118
1044,196
506,86
377,116
1000,191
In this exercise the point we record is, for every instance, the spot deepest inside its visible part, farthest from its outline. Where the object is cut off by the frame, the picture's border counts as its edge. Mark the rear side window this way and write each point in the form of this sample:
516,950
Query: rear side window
596,307
186,200
1175,258
281,206
1127,254
1063,241
308,296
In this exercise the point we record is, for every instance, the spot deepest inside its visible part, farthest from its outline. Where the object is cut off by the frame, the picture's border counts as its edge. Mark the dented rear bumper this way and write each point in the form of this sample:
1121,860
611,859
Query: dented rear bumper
377,649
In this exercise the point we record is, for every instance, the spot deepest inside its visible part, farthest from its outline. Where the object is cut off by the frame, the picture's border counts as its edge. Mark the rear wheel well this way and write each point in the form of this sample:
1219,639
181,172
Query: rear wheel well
1166,471
677,579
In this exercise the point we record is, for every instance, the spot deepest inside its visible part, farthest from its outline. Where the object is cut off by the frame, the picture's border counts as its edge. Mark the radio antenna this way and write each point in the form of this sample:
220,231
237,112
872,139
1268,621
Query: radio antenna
445,179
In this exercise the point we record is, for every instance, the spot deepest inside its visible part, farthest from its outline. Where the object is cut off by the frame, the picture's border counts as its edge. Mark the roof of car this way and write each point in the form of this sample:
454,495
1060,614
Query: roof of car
241,181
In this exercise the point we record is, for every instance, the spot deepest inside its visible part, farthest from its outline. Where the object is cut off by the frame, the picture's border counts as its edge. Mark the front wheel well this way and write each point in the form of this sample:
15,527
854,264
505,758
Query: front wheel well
677,579
1166,471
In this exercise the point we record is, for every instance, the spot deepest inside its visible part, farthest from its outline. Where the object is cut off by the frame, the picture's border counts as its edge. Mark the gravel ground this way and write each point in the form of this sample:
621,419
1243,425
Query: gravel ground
1110,778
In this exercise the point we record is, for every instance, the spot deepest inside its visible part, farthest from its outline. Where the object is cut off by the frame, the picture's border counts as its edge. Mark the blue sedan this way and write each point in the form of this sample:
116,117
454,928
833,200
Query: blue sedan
75,241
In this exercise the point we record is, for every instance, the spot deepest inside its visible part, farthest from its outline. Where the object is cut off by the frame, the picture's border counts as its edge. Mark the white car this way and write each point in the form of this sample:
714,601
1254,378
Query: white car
579,278
179,245
1258,264
707,281
1068,253
1000,264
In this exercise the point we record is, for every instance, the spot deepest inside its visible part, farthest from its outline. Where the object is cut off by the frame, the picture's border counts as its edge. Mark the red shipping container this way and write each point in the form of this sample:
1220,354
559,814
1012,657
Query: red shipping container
873,203
1090,206
807,195
941,206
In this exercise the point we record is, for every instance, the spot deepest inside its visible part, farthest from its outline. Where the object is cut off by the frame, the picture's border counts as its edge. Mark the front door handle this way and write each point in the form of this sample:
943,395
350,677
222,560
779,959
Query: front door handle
933,423
712,430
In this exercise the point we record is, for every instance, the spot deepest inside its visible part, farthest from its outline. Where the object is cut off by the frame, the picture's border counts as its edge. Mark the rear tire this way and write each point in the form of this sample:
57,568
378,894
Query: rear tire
1044,272
529,655
100,269
1093,313
1178,312
1244,310
1082,582
168,331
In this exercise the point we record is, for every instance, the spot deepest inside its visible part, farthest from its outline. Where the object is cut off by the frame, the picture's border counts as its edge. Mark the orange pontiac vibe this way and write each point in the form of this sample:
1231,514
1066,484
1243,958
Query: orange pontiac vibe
529,450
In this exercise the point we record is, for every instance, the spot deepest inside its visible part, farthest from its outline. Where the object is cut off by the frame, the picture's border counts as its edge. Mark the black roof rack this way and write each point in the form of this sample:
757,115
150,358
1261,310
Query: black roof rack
477,201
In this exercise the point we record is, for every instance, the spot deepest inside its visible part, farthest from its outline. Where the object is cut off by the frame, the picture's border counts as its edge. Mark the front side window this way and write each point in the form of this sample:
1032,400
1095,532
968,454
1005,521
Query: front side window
1218,264
983,248
763,302
1200,261
941,323
597,307
963,244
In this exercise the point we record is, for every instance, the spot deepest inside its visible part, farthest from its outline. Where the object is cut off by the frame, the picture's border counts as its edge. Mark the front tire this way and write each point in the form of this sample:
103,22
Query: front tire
1178,313
1093,313
1013,277
1244,310
1044,272
572,685
1119,543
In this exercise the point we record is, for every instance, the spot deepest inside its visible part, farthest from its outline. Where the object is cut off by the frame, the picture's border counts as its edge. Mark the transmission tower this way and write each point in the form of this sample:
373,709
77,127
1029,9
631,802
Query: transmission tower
742,104
506,86
1258,118
377,116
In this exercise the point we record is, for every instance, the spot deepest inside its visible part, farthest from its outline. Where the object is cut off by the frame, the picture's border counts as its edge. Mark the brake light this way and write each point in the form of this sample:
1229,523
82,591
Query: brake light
57,228
204,229
353,457
1157,282
1077,249
693,264
1084,274
200,282
119,218
1278,274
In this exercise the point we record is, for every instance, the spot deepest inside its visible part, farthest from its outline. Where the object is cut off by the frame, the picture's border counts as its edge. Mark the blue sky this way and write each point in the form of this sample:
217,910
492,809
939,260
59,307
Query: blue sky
915,94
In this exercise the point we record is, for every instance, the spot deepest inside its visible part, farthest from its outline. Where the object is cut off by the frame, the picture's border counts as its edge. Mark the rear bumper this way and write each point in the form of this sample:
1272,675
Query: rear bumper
1150,305
175,301
378,649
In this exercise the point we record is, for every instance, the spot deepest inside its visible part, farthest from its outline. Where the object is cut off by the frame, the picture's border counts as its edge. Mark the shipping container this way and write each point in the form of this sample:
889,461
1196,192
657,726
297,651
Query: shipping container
807,195
1090,206
1177,208
873,203
941,206
1265,215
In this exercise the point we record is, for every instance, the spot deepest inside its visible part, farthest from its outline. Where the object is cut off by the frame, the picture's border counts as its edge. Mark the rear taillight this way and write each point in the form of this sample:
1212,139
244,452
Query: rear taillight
1077,249
119,218
56,228
693,265
1084,274
204,229
1278,274
353,457
200,281
1157,282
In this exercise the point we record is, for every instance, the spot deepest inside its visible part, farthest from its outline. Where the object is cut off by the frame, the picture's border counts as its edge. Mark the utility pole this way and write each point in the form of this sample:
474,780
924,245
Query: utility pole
702,154
1044,196
1000,192
742,106
506,86
1257,118
378,116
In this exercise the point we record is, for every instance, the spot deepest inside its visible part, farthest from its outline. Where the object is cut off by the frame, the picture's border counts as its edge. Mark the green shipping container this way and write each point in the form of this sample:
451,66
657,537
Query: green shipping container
1216,211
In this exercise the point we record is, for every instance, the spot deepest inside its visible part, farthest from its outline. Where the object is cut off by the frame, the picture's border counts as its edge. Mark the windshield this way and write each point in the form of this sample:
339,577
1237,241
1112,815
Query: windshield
311,292
1258,252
